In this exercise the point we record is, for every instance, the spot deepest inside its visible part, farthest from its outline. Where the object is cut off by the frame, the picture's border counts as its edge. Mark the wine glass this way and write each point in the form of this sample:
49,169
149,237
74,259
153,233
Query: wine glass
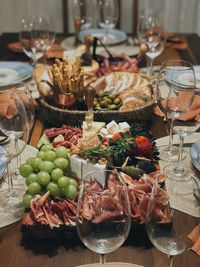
166,89
103,213
25,37
150,33
167,232
83,16
43,33
24,93
14,132
108,15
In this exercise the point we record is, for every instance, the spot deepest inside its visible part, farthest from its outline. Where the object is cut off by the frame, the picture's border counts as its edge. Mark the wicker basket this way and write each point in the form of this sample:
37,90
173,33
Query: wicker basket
56,117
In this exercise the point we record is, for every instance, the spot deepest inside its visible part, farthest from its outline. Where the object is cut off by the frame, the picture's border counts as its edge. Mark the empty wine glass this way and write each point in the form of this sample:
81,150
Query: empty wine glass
166,229
37,35
43,33
103,212
150,33
83,16
24,93
108,15
25,37
14,134
166,89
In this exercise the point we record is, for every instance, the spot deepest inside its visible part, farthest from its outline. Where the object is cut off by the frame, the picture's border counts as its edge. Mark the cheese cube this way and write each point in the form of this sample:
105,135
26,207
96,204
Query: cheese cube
112,127
124,127
104,131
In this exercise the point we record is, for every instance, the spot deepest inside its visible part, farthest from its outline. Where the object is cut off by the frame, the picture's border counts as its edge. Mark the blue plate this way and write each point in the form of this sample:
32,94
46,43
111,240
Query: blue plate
114,36
13,72
195,154
2,162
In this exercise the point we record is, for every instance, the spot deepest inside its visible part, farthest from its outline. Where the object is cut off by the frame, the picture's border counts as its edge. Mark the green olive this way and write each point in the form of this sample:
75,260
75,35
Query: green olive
101,93
117,101
103,104
112,106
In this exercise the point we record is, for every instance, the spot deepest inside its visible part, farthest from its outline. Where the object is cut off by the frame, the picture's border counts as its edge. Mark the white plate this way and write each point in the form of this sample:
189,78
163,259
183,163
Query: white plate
178,77
67,44
195,154
14,71
114,36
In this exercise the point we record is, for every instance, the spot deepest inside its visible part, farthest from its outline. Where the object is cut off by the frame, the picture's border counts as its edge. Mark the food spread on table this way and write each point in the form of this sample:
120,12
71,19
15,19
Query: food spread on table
53,176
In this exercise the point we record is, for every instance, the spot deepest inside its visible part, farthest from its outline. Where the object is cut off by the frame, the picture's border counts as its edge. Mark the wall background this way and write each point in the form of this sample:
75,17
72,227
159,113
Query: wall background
178,15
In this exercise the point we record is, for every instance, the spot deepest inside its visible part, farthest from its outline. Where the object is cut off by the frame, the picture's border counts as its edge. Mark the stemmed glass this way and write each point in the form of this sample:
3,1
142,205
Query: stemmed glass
83,16
168,90
103,212
150,33
24,93
43,33
36,36
108,15
25,37
14,132
167,232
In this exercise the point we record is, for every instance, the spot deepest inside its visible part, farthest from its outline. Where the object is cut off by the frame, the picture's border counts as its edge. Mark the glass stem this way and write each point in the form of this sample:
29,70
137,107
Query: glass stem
171,134
149,66
179,169
10,178
171,258
102,258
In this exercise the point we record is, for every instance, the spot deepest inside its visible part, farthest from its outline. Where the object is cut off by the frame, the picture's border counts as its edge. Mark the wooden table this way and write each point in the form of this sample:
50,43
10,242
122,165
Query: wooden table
15,251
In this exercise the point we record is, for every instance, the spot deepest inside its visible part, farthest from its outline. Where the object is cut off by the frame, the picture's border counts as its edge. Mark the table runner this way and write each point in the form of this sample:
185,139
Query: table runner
186,202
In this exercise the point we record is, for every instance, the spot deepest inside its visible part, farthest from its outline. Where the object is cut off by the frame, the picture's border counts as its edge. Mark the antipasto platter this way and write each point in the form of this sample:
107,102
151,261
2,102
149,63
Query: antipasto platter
67,153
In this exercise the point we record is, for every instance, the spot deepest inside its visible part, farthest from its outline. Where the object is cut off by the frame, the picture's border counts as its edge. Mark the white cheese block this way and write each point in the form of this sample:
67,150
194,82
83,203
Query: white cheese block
96,127
103,131
81,167
112,127
124,127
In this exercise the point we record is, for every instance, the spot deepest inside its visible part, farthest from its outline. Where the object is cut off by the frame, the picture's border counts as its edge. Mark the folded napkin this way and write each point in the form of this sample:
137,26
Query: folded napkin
8,108
174,41
15,47
193,112
56,51
195,237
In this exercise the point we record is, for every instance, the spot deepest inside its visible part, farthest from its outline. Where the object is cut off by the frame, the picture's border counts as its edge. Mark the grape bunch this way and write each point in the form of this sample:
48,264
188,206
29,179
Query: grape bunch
48,171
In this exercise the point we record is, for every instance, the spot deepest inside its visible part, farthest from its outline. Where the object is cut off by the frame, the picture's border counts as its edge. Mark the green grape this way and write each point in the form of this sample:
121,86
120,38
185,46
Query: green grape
41,154
50,155
73,181
27,200
46,166
34,188
25,170
46,147
31,178
56,174
70,191
62,152
61,163
63,181
53,189
34,162
43,178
